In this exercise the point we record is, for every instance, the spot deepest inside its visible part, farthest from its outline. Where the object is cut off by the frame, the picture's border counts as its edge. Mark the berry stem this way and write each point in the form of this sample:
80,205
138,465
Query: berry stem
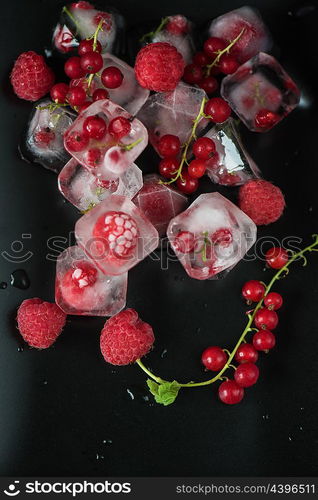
70,15
153,34
94,37
220,53
148,372
129,147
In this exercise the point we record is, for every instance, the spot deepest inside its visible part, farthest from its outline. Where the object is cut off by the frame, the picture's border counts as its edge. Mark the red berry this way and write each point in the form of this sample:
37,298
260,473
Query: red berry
209,84
186,183
228,64
266,119
82,5
58,92
84,106
169,145
230,392
84,275
75,141
95,127
203,148
197,168
118,233
112,77
264,340
91,62
76,96
86,46
246,374
212,45
266,319
100,94
253,291
263,202
119,127
177,25
31,78
246,353
222,237
184,242
201,59
214,358
217,109
192,74
168,167
276,257
73,68
273,301
93,157
43,137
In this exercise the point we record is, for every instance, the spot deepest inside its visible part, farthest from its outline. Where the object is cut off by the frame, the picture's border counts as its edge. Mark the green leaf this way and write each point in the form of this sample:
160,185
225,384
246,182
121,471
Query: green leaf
165,393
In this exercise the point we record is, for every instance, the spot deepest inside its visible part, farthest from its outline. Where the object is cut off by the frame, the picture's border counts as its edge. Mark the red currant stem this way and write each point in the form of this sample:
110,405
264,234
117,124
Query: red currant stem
129,147
89,80
153,34
227,352
53,106
186,145
148,372
70,15
95,35
220,53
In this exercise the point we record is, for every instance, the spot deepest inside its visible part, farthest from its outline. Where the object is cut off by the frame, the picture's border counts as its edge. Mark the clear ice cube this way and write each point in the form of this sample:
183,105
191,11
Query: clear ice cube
116,235
172,113
82,289
84,190
255,37
159,202
114,156
211,236
44,136
178,32
261,92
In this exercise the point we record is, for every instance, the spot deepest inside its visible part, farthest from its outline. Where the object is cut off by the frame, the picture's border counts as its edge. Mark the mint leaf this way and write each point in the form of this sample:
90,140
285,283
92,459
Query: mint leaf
165,393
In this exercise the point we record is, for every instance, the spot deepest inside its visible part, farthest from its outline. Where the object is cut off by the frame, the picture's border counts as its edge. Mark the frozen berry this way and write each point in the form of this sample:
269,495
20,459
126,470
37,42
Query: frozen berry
222,237
119,127
95,127
197,168
203,148
264,340
112,77
58,92
184,242
230,392
93,157
117,232
85,105
168,167
253,291
246,353
214,358
186,183
273,301
266,119
192,74
263,202
76,141
73,68
100,94
266,319
169,145
246,374
276,257
43,137
217,109
91,62
177,25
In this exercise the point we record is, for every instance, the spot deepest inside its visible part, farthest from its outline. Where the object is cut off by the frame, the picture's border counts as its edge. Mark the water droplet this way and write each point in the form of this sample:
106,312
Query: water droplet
20,349
145,398
131,394
300,428
99,457
107,441
3,285
289,438
164,352
20,279
44,382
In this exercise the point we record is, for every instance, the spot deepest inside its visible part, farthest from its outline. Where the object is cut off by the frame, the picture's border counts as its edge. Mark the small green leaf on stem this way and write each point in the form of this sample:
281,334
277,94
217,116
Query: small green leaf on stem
165,393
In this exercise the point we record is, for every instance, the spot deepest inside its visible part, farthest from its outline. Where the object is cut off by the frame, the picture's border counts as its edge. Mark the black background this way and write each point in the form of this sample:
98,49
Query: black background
59,405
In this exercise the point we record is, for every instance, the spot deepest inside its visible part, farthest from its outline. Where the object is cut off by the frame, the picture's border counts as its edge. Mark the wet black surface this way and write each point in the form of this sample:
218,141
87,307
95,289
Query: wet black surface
64,411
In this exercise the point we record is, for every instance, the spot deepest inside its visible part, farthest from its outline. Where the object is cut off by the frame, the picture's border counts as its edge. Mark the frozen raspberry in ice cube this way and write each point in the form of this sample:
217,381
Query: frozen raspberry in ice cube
117,232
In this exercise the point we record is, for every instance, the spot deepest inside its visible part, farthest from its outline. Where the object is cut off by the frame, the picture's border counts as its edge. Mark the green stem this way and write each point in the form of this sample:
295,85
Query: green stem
128,147
153,34
220,53
70,15
148,372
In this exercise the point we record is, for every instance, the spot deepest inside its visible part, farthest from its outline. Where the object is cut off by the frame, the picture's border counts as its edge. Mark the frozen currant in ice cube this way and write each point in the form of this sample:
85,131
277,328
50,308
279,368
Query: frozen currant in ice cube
211,236
159,202
108,145
178,32
80,20
173,113
230,164
261,92
116,235
246,20
43,141
82,289
84,190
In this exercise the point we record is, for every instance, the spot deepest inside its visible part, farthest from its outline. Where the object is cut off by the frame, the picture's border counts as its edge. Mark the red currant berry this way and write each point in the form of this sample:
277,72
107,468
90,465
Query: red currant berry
246,374
92,62
43,137
276,257
192,74
217,109
201,59
264,340
209,84
58,92
184,242
95,127
168,167
253,291
273,301
214,358
73,68
197,168
76,96
230,392
266,119
87,46
76,141
266,319
84,106
169,145
212,45
228,64
119,127
203,148
222,237
93,157
112,77
100,94
186,183
246,353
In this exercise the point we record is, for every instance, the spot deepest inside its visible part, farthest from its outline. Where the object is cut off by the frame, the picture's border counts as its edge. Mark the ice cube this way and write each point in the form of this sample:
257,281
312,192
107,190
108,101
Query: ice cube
261,92
255,37
116,235
80,20
108,157
173,113
178,32
84,190
82,289
230,165
159,202
43,142
211,236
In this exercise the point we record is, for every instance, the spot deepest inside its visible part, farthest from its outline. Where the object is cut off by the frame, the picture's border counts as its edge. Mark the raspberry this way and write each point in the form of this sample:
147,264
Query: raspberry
40,323
125,338
31,78
261,201
119,231
77,286
177,25
43,137
159,66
